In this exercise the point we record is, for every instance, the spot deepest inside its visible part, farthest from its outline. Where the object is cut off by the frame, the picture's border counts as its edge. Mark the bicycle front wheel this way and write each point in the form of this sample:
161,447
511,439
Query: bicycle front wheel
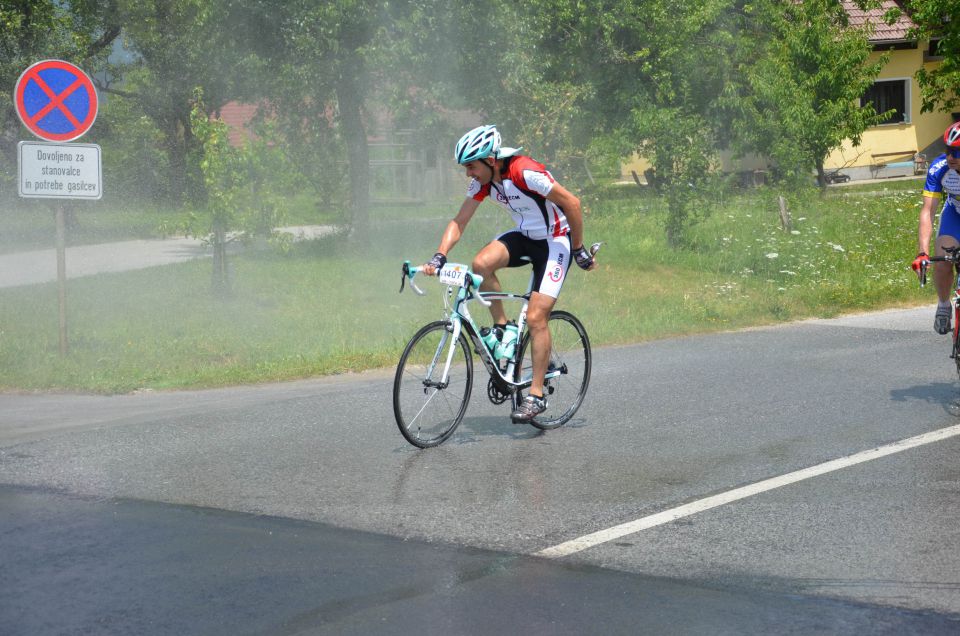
428,406
568,374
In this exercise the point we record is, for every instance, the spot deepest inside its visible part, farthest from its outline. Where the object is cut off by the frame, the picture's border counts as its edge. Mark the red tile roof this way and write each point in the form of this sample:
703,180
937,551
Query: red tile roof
883,32
237,116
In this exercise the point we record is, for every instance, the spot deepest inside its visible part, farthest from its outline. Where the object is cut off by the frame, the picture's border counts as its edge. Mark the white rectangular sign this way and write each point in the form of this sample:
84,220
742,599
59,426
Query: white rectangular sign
59,171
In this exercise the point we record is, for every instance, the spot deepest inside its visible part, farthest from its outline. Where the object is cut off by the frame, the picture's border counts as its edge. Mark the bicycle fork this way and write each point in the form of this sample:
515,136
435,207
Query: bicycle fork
451,335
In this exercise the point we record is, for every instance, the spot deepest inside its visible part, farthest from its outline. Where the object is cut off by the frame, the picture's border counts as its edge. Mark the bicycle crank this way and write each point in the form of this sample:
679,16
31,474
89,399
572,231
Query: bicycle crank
496,395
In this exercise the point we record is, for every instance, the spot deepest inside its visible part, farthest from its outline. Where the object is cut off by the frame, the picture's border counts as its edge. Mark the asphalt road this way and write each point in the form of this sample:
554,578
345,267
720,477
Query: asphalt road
298,508
40,266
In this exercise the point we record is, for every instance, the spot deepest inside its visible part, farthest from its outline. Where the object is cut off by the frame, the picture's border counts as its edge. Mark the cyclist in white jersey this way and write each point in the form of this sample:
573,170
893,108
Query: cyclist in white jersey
549,222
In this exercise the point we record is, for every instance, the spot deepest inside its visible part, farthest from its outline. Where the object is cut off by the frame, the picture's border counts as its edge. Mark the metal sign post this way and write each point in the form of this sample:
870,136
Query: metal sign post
62,277
59,171
57,102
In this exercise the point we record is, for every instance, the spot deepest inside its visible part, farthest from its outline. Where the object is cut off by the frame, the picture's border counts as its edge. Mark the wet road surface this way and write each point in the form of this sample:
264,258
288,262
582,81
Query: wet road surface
86,566
286,509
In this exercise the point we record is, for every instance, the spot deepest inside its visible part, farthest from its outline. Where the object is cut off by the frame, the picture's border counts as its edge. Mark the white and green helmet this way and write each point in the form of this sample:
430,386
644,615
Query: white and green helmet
481,142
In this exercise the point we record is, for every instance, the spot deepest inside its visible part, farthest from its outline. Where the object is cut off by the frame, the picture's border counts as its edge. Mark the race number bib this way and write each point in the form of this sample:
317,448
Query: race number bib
454,274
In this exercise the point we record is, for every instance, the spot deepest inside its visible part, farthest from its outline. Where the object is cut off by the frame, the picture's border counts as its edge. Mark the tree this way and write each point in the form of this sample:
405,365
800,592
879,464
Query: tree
176,46
324,55
805,70
245,187
939,19
657,71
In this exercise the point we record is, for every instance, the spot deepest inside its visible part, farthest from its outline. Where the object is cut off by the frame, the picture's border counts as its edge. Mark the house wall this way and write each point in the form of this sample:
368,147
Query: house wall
923,133
636,165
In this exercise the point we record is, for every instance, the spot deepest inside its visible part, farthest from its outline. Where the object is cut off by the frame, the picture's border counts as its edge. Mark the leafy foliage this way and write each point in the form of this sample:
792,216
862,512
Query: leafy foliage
939,19
805,69
175,46
577,84
245,187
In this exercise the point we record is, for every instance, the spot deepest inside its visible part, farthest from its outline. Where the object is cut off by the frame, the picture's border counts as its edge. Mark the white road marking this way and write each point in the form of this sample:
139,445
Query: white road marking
603,536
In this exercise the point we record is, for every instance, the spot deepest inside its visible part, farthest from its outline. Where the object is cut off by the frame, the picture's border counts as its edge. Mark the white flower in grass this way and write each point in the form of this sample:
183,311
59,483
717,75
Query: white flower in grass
838,248
772,255
795,232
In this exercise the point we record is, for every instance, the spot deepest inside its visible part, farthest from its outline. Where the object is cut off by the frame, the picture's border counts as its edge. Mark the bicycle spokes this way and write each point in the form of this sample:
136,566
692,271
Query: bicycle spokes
568,375
431,388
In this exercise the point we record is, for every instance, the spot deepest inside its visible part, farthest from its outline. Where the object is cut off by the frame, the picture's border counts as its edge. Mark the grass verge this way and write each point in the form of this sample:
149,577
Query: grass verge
331,306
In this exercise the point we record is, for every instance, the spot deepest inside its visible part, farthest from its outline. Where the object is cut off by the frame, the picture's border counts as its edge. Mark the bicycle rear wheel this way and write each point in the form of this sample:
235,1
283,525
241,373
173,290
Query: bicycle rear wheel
570,361
956,335
428,409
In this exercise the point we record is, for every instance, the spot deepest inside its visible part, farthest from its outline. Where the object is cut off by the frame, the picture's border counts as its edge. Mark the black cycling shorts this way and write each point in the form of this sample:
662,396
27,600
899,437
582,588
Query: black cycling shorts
550,259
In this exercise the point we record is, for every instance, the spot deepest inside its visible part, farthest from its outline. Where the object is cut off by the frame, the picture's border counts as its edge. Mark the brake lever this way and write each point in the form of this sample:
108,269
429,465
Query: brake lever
408,275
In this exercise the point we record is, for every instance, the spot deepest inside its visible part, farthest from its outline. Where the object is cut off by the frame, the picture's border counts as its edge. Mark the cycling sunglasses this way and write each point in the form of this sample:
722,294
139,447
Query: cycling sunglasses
953,152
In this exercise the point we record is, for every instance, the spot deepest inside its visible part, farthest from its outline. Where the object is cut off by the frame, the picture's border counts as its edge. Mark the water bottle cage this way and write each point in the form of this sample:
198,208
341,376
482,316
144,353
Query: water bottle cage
500,341
508,343
504,351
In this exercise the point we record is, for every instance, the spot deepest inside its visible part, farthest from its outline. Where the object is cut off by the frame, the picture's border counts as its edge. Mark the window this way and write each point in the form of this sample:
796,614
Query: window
890,95
933,51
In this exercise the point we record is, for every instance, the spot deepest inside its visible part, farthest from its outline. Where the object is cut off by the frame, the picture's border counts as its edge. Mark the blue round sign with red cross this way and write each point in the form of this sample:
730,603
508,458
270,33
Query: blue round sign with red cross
56,100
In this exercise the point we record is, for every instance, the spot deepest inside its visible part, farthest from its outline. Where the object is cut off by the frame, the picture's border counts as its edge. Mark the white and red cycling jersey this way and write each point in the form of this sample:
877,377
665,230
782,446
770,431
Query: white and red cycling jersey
523,191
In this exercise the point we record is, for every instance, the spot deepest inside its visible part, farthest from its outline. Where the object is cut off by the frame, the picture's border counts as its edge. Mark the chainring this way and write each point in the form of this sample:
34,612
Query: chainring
495,394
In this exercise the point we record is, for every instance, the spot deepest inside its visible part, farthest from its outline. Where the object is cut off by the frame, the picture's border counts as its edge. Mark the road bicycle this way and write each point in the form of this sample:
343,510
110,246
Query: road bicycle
951,255
434,378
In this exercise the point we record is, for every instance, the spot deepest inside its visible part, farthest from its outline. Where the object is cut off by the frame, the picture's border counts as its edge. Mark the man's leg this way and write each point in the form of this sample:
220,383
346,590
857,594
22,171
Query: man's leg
492,257
943,281
551,260
538,312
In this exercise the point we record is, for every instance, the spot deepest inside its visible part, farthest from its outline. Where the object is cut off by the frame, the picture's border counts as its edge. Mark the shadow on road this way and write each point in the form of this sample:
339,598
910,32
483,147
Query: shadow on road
942,393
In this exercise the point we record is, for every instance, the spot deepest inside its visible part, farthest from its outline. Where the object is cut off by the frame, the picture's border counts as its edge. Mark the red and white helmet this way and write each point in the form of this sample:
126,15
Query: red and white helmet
952,136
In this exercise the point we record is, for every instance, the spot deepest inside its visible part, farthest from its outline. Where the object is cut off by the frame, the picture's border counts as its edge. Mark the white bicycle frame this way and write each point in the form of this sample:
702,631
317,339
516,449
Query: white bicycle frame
458,314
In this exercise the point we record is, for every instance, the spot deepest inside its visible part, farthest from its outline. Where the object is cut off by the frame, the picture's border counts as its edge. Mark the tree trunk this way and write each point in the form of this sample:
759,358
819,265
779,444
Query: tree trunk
176,181
355,136
220,280
677,212
178,143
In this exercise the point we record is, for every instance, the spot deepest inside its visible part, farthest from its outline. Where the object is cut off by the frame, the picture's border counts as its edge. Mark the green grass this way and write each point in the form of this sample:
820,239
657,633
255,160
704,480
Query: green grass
332,305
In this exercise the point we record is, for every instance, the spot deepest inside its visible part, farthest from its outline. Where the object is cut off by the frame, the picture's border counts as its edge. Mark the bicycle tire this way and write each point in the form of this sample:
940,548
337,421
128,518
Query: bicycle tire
427,415
570,350
956,336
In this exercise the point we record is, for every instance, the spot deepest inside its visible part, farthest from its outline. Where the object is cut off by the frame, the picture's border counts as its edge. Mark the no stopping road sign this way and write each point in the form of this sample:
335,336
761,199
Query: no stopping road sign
56,100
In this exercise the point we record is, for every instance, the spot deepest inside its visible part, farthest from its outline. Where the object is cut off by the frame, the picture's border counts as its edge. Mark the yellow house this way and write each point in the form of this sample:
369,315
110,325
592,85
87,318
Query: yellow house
908,140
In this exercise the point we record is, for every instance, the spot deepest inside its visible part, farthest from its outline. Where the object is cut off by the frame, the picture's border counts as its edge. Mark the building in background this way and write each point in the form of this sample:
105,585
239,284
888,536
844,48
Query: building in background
908,140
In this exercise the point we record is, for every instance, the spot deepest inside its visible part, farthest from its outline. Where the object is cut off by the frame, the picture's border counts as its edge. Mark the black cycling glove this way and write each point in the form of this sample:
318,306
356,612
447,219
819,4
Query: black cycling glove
438,261
583,258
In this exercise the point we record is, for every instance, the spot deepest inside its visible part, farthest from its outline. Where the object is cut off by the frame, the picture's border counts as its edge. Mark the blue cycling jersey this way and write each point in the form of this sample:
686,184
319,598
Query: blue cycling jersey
941,180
